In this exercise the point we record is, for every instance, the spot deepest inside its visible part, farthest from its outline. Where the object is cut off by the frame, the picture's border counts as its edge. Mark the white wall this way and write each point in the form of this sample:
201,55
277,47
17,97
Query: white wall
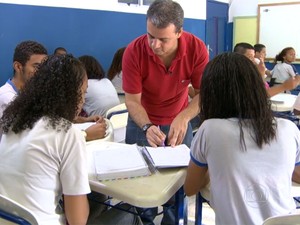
249,7
198,11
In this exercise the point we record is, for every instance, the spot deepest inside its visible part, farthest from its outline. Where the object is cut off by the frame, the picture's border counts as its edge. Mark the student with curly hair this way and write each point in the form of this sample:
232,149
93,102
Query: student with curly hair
42,154
249,156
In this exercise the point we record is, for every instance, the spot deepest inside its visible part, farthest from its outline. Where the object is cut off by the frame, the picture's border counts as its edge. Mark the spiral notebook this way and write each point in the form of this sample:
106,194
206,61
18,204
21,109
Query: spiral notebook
117,161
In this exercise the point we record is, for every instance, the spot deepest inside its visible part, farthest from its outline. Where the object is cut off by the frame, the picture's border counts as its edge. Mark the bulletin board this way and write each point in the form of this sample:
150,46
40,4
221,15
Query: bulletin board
279,27
244,29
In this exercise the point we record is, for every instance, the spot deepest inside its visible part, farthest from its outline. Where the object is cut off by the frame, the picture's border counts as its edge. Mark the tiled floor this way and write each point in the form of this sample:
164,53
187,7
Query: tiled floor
208,215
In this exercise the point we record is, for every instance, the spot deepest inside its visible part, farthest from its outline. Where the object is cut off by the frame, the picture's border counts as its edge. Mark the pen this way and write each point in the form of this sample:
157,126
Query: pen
163,142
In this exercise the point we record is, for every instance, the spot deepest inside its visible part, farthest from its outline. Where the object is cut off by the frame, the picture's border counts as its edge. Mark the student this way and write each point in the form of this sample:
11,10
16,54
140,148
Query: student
284,69
157,69
42,154
114,73
247,50
260,55
101,94
60,51
27,57
247,155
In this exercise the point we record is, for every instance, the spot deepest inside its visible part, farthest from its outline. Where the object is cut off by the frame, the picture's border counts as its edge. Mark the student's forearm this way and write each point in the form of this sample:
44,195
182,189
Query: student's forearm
296,175
275,90
76,209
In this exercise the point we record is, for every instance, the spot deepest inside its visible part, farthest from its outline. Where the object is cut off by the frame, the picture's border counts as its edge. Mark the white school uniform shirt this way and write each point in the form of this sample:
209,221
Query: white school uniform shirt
282,72
101,95
7,93
40,164
247,186
117,82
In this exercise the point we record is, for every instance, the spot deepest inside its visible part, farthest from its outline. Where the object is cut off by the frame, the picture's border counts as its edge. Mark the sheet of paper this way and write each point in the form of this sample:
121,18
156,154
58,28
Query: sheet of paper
164,157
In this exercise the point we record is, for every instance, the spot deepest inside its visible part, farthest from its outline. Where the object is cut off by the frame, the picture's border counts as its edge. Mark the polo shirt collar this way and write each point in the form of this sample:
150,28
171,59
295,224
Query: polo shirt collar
12,85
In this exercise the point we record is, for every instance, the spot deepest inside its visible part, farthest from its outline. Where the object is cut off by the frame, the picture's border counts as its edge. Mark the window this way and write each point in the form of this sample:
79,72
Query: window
138,2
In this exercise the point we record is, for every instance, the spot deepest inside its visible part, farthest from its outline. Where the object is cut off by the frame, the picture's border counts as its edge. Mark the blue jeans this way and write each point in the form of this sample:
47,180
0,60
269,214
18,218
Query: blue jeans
135,135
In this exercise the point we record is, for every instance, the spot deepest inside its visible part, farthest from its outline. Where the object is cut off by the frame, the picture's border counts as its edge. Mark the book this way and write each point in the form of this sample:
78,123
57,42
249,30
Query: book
117,161
120,161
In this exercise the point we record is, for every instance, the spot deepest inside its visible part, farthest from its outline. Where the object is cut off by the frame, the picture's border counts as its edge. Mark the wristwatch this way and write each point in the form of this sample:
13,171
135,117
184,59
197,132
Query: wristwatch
146,127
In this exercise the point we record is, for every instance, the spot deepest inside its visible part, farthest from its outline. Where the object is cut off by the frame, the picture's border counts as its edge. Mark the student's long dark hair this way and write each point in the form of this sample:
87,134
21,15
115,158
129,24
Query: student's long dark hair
279,57
93,67
116,64
54,91
231,86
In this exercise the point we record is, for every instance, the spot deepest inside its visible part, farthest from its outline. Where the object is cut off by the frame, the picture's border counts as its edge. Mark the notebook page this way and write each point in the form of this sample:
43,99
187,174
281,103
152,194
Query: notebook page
164,157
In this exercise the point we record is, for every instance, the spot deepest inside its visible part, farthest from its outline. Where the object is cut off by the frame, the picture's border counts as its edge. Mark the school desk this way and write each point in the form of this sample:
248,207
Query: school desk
283,102
146,192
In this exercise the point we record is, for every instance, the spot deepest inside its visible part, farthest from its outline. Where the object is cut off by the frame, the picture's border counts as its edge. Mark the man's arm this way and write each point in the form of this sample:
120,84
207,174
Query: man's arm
179,125
139,115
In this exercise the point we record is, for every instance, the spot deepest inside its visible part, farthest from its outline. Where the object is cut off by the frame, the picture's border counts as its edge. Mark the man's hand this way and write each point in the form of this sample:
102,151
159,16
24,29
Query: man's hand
177,131
155,136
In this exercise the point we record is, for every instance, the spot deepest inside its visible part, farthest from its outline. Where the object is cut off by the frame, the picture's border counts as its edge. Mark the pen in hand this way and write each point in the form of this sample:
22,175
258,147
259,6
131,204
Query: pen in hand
163,142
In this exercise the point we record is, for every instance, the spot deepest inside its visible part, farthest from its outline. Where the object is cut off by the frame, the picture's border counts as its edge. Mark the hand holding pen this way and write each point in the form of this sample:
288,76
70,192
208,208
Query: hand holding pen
155,136
163,142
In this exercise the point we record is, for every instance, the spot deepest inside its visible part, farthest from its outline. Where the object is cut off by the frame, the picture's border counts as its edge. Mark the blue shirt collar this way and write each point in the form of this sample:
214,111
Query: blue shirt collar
13,85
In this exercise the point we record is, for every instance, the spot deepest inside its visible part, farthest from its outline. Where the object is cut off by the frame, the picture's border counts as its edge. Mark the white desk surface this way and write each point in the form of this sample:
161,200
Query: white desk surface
150,191
283,102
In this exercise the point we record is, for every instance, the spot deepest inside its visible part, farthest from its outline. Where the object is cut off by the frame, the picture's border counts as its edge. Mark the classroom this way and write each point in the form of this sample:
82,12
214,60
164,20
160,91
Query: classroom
95,31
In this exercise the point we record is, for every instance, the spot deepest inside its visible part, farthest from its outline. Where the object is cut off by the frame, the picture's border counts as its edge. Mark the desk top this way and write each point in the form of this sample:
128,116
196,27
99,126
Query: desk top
150,191
283,102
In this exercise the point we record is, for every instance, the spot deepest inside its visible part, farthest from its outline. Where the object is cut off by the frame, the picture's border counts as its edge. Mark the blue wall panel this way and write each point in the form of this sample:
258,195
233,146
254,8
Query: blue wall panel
93,32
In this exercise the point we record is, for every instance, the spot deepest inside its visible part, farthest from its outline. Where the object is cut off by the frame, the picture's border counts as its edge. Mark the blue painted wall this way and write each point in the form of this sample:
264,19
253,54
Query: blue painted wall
93,32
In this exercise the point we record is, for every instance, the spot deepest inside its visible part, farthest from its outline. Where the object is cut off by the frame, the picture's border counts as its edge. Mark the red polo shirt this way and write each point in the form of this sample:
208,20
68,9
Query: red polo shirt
164,92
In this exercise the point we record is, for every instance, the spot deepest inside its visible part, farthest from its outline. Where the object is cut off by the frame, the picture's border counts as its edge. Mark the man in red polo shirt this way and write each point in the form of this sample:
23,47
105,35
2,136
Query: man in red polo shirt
157,69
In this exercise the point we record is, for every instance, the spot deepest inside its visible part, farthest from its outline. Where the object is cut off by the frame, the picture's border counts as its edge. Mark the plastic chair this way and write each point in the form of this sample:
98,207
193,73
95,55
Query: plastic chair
118,116
291,219
12,212
118,108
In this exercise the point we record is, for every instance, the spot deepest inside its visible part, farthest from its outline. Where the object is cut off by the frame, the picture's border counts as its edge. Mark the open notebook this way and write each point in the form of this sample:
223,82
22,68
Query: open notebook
126,161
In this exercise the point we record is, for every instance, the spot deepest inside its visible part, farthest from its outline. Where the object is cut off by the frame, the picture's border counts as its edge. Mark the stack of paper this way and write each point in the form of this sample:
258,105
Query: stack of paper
120,161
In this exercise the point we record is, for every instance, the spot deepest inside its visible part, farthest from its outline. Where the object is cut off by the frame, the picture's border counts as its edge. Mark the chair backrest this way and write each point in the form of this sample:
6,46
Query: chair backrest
118,108
290,219
15,213
118,116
